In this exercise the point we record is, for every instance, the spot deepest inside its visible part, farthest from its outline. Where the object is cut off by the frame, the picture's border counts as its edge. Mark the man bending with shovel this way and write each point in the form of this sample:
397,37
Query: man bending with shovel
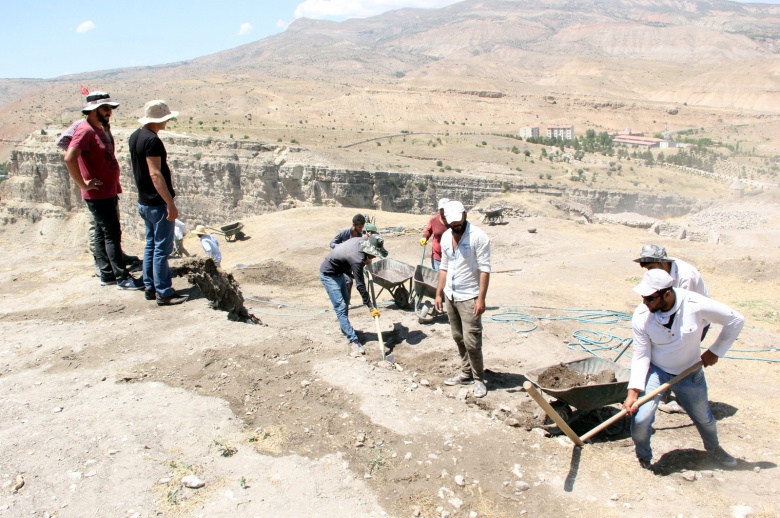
667,339
350,256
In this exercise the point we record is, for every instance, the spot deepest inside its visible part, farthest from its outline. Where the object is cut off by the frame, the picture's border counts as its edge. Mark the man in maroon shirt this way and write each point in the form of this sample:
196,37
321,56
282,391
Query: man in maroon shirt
92,166
435,227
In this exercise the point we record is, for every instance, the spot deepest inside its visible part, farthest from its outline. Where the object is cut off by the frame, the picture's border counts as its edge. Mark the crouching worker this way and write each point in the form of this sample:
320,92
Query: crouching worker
209,244
350,256
667,339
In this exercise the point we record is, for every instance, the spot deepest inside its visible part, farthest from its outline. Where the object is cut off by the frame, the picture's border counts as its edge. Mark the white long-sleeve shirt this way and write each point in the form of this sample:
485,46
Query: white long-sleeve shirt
687,277
211,247
677,348
464,264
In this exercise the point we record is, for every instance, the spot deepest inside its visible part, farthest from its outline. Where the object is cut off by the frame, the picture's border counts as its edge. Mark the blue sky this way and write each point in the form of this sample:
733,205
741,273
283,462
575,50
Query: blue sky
49,38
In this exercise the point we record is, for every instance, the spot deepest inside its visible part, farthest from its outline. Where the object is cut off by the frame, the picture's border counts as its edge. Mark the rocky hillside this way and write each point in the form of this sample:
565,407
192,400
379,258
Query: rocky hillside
220,181
490,65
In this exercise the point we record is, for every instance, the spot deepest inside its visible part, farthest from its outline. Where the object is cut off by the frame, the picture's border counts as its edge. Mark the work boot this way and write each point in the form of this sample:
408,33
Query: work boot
357,348
150,294
720,456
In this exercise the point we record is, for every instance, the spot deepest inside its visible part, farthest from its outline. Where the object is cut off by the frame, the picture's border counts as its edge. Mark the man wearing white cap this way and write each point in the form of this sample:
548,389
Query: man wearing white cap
464,275
667,339
155,201
92,165
685,276
436,227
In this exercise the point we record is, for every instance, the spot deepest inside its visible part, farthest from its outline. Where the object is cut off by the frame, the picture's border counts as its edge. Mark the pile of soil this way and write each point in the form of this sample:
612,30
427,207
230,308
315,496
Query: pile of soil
562,377
222,290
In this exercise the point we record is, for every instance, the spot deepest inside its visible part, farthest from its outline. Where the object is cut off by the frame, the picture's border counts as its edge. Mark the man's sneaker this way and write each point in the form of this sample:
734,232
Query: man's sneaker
480,390
176,298
672,407
357,348
723,458
107,282
150,294
130,283
646,464
459,379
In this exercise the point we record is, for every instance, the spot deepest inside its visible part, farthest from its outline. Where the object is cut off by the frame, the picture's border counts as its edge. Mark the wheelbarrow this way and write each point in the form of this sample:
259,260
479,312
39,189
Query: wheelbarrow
491,217
425,283
231,232
587,398
391,275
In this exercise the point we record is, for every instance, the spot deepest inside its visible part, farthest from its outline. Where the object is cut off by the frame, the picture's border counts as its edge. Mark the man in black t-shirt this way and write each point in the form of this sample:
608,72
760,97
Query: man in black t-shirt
155,201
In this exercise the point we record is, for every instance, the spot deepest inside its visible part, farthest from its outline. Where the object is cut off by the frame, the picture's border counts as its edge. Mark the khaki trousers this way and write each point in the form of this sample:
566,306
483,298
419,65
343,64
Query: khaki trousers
467,333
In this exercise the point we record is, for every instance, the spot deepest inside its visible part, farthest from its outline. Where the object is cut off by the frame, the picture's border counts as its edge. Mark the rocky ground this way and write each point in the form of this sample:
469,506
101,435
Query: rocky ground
112,404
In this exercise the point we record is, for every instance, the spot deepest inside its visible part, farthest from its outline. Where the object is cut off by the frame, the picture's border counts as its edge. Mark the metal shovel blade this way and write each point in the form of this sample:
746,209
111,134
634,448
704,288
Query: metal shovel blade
389,357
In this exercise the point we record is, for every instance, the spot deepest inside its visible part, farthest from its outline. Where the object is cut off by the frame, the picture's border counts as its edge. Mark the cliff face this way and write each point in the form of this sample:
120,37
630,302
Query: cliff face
219,182
655,205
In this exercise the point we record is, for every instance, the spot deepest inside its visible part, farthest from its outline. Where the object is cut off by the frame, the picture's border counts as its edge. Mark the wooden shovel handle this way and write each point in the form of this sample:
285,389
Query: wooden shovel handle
641,401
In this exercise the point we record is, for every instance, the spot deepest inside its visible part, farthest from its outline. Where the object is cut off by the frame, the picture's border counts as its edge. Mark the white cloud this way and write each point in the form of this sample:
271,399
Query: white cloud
245,28
342,9
86,26
281,24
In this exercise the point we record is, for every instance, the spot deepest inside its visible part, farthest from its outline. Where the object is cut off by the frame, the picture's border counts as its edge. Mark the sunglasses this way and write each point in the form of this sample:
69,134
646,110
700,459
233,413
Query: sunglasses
651,298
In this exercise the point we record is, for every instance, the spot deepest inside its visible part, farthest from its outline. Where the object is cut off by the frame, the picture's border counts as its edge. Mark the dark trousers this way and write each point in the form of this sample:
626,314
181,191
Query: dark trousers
108,239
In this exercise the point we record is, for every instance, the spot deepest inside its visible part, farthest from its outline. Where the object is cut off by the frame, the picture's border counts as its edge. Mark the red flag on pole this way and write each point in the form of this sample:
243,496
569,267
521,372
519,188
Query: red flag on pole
84,91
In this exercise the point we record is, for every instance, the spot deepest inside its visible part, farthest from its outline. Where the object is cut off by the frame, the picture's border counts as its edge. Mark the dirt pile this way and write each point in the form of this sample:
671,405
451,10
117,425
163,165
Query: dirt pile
222,290
562,377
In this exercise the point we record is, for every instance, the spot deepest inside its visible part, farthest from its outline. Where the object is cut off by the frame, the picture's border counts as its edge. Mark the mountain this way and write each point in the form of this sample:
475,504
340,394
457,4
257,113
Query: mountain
544,60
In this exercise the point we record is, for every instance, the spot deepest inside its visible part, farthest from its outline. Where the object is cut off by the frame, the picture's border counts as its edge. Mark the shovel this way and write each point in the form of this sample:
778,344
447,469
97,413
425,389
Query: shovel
389,358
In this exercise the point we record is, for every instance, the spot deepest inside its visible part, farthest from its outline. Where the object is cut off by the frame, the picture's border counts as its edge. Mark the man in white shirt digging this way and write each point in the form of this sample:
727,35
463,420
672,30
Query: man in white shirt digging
667,339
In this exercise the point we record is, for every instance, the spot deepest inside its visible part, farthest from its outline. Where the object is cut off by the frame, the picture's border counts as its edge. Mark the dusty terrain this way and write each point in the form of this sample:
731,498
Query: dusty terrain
109,401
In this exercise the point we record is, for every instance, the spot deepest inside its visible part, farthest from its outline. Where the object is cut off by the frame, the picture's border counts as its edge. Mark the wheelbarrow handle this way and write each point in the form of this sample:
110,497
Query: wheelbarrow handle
552,414
641,401
216,230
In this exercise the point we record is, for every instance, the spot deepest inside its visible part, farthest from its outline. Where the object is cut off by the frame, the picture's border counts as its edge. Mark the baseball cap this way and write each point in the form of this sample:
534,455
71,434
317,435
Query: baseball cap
653,281
453,211
443,202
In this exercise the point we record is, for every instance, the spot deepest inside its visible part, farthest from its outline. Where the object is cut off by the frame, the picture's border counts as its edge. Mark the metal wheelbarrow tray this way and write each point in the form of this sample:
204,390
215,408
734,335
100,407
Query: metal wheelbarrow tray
588,397
425,283
231,231
391,274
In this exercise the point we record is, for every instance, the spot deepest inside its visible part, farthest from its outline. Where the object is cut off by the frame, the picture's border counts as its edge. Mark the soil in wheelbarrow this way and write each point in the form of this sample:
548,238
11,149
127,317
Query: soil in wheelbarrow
562,377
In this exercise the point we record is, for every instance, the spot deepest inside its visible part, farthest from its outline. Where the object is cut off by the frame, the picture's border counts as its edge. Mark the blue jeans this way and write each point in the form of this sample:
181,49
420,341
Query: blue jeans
435,264
691,394
337,291
159,245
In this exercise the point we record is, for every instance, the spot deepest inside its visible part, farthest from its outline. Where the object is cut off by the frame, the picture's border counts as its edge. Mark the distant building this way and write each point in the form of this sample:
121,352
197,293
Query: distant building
638,142
737,190
667,143
529,132
565,132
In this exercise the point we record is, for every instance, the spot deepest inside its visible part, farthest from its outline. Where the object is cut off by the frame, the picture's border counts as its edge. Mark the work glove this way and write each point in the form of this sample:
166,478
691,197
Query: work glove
374,313
423,241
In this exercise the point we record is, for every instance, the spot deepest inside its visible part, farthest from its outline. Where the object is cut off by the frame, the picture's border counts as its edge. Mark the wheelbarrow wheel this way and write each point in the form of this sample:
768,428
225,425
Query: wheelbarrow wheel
562,409
401,297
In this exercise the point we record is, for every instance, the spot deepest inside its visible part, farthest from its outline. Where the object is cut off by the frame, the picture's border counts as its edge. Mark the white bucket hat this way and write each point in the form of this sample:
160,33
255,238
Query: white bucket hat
97,99
157,111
